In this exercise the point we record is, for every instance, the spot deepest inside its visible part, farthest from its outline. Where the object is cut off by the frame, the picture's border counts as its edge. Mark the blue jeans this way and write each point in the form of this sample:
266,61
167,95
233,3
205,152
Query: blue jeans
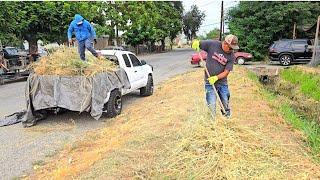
83,45
223,92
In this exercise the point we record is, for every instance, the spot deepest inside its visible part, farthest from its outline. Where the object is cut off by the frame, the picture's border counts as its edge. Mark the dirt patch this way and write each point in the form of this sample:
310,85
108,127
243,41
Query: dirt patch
171,135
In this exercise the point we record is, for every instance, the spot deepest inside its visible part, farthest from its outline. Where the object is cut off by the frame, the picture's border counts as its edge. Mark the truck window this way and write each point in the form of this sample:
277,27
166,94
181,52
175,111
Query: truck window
126,60
135,61
112,58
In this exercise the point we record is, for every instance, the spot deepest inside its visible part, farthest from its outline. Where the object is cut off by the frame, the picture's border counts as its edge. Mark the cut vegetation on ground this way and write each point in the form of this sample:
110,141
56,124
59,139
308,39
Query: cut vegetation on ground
171,135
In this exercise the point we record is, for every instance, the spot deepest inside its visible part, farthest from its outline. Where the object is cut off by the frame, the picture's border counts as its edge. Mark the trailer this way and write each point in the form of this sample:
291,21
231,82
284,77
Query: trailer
13,66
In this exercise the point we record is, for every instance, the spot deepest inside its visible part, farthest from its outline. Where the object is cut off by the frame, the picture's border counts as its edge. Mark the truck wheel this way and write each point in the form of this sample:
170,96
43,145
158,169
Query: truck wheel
114,104
148,89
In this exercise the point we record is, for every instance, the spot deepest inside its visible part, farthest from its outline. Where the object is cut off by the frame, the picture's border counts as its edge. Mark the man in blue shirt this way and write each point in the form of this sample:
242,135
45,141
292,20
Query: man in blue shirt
84,34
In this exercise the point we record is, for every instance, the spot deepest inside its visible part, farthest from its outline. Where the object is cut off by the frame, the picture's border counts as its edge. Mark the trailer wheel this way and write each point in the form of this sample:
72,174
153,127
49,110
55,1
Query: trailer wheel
114,105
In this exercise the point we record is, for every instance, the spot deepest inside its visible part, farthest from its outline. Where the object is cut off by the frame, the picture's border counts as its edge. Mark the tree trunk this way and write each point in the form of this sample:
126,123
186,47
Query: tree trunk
153,48
315,55
137,49
163,45
117,36
33,48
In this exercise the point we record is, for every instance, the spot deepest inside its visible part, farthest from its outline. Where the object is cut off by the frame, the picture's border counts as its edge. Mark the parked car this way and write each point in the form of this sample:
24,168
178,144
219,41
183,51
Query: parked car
241,57
14,56
287,51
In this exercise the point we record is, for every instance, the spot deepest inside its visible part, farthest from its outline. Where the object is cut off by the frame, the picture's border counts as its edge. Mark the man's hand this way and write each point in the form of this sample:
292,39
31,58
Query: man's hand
70,42
95,41
195,45
213,79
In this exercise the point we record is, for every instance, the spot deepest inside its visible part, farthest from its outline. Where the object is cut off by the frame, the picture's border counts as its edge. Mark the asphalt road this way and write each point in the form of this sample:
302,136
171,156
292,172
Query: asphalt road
23,148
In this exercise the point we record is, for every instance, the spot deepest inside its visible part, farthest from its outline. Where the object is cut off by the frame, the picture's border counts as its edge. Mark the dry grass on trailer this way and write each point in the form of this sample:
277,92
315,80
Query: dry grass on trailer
66,61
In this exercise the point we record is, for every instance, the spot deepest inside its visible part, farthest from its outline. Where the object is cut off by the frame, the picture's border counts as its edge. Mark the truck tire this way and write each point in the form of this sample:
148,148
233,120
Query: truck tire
114,105
148,89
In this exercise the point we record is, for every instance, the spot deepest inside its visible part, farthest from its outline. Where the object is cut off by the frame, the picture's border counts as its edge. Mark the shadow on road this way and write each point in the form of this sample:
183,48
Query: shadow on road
84,119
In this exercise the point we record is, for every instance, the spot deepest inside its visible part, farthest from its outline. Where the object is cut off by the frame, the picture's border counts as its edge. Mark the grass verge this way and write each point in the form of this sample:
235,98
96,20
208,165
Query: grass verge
308,82
171,135
309,127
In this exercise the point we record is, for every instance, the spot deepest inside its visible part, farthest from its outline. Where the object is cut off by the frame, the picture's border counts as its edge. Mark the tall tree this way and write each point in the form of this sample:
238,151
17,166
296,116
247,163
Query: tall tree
192,21
152,21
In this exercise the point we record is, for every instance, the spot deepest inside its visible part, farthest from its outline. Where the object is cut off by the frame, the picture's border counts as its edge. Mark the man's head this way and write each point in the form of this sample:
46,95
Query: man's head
79,19
230,43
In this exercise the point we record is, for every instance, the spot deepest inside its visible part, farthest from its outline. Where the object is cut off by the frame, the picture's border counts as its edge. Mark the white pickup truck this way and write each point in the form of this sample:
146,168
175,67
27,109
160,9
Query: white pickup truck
140,76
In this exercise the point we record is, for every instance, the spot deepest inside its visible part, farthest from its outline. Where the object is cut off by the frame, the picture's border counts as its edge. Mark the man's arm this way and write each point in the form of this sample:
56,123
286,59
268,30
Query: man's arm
70,31
205,45
224,74
92,31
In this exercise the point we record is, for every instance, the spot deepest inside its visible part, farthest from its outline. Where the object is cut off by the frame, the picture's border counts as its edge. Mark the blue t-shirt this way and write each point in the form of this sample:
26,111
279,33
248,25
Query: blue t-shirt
217,60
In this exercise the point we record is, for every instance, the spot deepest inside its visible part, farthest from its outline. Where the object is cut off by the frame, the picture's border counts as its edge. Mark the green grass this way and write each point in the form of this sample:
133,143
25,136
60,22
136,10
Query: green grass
253,76
310,128
309,83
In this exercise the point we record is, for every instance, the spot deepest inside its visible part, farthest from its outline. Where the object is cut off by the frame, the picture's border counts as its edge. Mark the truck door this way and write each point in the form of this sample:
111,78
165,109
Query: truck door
138,70
130,72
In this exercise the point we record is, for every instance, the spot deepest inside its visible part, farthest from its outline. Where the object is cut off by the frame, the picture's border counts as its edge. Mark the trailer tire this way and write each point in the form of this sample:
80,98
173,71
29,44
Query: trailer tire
114,104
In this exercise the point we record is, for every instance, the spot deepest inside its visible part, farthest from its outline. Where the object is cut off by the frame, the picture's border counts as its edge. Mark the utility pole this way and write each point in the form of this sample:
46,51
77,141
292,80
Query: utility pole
315,57
221,22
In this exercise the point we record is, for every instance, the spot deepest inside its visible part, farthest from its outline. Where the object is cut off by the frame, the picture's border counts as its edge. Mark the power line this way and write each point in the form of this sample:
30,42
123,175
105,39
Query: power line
209,24
207,3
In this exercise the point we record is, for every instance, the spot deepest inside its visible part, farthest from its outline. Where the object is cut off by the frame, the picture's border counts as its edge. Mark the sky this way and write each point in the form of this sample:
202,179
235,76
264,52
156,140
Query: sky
212,11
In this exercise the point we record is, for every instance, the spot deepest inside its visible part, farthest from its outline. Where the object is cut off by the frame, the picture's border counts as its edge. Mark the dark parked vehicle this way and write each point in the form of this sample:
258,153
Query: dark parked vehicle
288,51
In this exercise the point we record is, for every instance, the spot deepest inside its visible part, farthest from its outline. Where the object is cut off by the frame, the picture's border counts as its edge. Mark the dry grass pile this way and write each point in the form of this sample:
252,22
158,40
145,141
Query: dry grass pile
66,61
230,150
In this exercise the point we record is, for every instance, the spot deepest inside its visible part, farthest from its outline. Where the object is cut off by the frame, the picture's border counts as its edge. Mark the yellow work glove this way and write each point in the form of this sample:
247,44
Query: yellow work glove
213,79
195,45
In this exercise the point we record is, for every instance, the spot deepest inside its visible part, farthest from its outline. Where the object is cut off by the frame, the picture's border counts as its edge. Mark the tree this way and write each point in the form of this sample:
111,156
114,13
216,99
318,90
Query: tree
258,24
213,34
152,21
192,21
47,21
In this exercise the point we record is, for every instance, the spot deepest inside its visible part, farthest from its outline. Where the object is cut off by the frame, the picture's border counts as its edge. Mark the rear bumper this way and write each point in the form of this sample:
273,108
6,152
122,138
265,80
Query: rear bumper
194,62
274,58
